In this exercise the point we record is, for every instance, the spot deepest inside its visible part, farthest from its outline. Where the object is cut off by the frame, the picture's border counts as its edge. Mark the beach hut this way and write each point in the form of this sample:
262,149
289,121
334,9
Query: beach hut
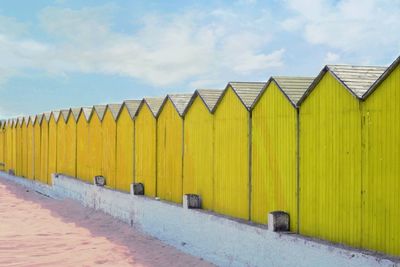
381,157
232,126
198,156
14,126
37,146
330,153
83,145
24,148
44,148
66,143
146,144
18,145
52,158
170,147
109,143
2,145
8,145
125,153
96,140
274,147
30,144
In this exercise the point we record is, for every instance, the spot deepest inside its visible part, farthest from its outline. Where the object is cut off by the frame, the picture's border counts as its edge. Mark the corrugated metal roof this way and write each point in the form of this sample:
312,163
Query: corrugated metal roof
356,79
246,91
208,96
56,114
65,114
38,118
114,108
87,112
180,101
376,84
293,87
100,110
75,112
20,121
47,116
154,104
132,106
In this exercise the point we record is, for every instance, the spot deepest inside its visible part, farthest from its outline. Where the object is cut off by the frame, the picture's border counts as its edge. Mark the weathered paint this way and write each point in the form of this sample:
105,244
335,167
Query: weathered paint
169,153
125,150
381,169
198,161
145,149
52,158
82,149
44,151
95,147
30,142
36,149
330,163
109,132
274,156
231,166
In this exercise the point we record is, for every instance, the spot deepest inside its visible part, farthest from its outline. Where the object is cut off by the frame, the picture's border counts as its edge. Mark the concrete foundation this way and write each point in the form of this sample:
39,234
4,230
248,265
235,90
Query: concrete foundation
217,239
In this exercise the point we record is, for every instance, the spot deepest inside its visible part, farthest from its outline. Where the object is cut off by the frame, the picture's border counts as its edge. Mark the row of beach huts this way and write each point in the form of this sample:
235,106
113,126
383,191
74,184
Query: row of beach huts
324,149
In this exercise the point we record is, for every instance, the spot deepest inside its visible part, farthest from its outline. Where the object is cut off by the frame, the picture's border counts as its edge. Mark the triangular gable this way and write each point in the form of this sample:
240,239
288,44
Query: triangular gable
209,97
154,104
87,112
383,77
293,88
55,115
75,113
64,113
100,111
356,79
47,116
247,92
114,109
132,106
38,119
179,101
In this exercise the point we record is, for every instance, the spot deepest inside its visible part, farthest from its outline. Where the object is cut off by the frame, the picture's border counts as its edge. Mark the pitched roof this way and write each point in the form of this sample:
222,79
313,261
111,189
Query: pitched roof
376,84
154,103
114,108
100,110
56,114
180,101
75,112
38,118
20,121
64,113
87,112
246,91
356,79
47,115
132,106
292,87
208,96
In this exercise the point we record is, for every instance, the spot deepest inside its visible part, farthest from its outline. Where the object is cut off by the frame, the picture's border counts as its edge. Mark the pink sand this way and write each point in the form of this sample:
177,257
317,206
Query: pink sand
40,231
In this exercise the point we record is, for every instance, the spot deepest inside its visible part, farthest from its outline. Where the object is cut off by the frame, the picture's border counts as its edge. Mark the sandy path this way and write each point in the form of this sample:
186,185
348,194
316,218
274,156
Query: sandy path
39,231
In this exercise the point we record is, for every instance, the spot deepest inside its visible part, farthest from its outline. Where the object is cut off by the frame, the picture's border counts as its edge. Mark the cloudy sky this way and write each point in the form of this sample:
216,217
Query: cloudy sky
63,53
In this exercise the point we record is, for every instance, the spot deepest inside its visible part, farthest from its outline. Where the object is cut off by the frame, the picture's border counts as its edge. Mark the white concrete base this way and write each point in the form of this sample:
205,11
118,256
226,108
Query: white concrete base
222,241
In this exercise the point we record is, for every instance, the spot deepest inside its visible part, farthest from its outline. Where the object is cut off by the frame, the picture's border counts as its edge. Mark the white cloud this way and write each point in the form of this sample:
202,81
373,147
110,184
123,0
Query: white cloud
368,28
164,51
331,58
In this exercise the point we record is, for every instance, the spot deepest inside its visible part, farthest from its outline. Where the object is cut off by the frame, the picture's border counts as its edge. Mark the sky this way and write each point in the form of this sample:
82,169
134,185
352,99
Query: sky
70,53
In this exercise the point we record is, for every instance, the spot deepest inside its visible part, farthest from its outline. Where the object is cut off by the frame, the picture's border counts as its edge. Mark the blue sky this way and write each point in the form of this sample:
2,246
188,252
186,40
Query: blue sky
64,53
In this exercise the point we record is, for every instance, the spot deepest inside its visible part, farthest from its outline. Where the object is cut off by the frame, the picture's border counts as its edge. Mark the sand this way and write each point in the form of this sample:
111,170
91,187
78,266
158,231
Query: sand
39,231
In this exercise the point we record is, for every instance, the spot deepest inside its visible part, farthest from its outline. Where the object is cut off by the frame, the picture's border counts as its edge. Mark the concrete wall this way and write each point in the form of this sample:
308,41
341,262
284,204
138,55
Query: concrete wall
217,239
